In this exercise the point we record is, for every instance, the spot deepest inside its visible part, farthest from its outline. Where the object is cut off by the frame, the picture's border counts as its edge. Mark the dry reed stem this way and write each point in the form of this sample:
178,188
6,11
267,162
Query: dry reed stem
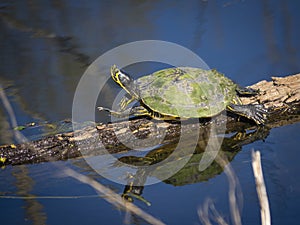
112,197
109,195
208,210
261,189
234,192
19,137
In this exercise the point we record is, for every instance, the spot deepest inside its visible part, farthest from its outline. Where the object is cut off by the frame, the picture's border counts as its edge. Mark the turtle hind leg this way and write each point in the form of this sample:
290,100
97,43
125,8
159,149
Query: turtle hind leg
125,102
135,111
258,113
246,91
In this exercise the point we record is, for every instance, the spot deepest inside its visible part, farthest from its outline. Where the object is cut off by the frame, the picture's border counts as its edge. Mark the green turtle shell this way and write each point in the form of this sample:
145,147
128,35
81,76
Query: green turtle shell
186,92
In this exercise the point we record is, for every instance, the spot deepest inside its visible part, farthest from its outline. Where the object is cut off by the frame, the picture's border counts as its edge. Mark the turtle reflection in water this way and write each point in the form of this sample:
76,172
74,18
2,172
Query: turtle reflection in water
189,173
184,92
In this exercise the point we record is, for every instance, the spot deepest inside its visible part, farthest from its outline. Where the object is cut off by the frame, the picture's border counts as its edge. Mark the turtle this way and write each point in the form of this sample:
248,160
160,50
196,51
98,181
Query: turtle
183,93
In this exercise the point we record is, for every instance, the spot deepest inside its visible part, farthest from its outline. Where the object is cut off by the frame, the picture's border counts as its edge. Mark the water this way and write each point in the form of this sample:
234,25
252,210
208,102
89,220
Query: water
247,40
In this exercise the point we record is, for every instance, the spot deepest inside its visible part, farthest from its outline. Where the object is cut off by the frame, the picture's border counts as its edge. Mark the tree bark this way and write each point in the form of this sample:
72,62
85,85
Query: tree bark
281,96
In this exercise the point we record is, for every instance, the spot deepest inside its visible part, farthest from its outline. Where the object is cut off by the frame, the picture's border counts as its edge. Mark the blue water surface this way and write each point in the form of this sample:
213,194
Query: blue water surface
45,48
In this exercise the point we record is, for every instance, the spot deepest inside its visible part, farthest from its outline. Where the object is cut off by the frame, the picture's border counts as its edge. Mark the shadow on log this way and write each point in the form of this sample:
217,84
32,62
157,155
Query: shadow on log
281,96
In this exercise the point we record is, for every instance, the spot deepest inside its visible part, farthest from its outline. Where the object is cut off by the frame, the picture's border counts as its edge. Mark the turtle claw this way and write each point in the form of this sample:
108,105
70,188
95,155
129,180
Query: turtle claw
257,112
103,109
112,112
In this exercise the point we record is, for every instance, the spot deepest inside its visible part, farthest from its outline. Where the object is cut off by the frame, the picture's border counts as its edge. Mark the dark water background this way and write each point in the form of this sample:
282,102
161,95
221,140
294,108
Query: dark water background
47,45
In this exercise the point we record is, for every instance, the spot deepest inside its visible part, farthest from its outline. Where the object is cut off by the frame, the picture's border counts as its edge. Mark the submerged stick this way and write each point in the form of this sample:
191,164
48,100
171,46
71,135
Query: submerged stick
261,189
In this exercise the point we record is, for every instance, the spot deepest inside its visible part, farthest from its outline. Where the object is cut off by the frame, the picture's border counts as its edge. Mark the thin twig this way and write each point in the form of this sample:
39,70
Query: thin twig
234,192
208,210
109,195
261,189
19,137
112,197
203,213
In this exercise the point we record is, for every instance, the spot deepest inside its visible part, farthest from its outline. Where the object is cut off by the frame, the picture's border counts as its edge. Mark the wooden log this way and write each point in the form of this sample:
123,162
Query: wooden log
281,96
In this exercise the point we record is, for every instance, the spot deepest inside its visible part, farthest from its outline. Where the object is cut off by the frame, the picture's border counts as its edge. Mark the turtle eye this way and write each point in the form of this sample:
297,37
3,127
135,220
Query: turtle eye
123,78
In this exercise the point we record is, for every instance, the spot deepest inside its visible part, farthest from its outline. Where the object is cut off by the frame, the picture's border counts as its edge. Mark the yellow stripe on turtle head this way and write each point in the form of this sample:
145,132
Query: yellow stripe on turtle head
121,78
115,74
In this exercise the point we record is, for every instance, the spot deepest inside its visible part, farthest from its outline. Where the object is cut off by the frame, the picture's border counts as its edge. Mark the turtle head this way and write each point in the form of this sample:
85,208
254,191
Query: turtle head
124,80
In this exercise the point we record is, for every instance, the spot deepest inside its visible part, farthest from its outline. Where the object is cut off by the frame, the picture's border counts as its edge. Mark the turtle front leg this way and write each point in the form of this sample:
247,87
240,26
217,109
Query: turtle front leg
135,111
258,113
125,102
